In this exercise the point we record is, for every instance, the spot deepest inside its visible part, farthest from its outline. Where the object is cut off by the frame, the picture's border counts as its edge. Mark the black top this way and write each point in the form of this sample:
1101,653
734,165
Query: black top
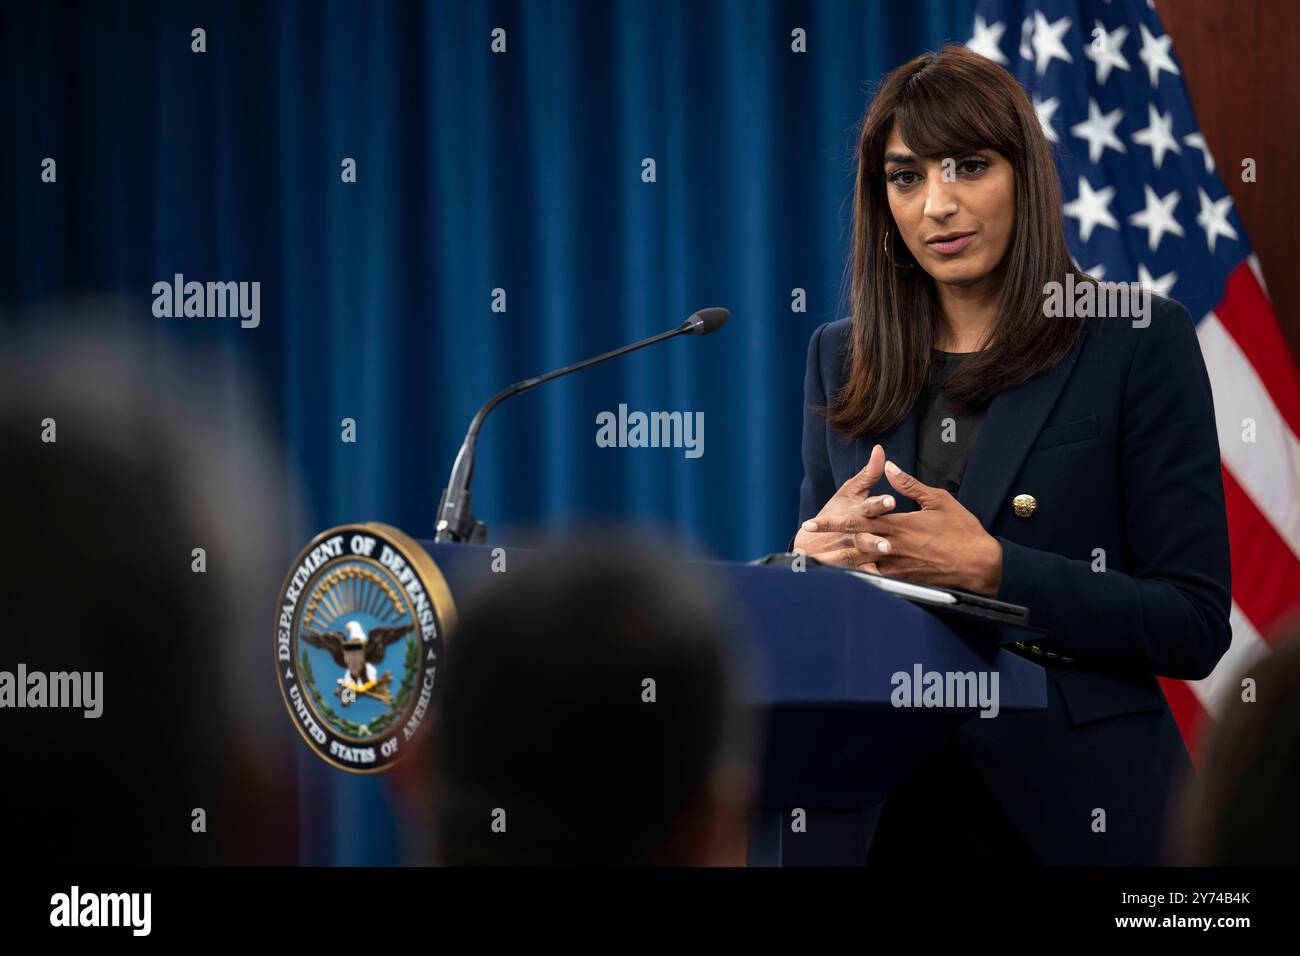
944,437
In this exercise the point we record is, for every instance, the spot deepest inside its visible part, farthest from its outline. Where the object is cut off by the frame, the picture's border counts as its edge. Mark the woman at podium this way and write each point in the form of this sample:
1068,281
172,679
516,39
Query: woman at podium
992,419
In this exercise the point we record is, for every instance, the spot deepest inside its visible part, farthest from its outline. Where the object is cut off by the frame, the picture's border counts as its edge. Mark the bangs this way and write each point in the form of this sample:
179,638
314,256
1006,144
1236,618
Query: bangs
939,115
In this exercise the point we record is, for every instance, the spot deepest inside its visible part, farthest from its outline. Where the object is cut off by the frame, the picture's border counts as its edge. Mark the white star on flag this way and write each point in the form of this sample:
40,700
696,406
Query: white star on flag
1099,130
1047,41
1213,218
1045,109
1159,135
987,40
1162,286
1104,51
1155,54
1158,217
1090,208
1197,141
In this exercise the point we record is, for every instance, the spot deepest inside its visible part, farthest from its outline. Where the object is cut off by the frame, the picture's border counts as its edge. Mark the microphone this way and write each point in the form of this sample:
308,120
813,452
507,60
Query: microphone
455,523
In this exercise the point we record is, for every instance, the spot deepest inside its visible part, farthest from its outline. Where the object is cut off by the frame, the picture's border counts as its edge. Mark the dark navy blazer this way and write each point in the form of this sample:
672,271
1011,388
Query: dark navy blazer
1118,446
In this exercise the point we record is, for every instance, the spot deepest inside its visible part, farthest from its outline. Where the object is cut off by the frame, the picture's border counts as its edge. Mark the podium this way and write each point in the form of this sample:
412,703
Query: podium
824,647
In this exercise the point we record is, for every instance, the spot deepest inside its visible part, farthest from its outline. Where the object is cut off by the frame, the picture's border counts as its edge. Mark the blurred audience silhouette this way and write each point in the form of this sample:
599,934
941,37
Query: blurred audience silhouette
115,471
1241,808
552,744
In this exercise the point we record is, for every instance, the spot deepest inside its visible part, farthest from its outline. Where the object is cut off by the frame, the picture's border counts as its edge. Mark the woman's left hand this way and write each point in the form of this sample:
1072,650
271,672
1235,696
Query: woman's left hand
942,544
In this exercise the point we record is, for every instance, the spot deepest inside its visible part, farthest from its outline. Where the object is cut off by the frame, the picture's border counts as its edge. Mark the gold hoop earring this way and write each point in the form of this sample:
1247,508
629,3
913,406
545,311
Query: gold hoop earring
897,265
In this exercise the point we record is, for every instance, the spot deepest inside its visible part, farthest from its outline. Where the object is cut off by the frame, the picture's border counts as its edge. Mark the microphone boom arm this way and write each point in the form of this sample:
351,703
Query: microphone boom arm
455,523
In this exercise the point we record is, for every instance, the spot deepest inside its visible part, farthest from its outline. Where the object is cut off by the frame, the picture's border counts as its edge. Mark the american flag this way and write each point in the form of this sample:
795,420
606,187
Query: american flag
1144,202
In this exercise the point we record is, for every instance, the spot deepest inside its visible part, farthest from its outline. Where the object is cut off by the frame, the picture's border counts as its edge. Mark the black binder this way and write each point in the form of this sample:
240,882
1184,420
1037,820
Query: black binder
946,602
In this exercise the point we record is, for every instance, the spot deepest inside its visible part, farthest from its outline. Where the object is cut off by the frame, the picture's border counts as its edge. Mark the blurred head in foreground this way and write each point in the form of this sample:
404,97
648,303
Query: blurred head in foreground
591,716
142,736
1240,810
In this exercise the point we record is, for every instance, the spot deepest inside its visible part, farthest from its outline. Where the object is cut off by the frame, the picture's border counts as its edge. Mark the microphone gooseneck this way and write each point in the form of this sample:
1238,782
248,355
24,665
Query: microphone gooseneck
455,523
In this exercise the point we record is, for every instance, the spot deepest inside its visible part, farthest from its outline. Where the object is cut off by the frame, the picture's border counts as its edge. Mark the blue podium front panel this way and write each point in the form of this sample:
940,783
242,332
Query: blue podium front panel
825,651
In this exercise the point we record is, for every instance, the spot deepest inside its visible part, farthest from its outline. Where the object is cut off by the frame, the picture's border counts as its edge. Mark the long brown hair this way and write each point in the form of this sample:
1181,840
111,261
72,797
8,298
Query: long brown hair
946,104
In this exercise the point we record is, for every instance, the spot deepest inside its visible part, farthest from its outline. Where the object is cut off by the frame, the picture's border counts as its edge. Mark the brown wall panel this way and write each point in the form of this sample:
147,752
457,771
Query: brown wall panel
1242,69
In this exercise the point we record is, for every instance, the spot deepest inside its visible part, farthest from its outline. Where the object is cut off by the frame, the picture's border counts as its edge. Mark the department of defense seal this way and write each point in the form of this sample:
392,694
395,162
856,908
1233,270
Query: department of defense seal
362,619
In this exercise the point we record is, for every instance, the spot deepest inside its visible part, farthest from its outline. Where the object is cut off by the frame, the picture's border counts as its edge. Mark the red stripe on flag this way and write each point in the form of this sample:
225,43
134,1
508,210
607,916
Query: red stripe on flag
1193,722
1265,571
1246,314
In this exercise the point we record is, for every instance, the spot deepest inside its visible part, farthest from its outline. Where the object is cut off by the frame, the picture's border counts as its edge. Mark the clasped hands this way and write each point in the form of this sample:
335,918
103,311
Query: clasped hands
942,544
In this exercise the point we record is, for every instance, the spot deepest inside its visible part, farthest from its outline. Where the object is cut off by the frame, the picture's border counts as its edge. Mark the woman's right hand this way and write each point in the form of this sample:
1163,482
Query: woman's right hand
853,498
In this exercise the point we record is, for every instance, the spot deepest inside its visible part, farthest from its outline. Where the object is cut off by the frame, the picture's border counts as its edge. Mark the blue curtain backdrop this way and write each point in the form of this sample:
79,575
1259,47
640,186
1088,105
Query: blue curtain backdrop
475,171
